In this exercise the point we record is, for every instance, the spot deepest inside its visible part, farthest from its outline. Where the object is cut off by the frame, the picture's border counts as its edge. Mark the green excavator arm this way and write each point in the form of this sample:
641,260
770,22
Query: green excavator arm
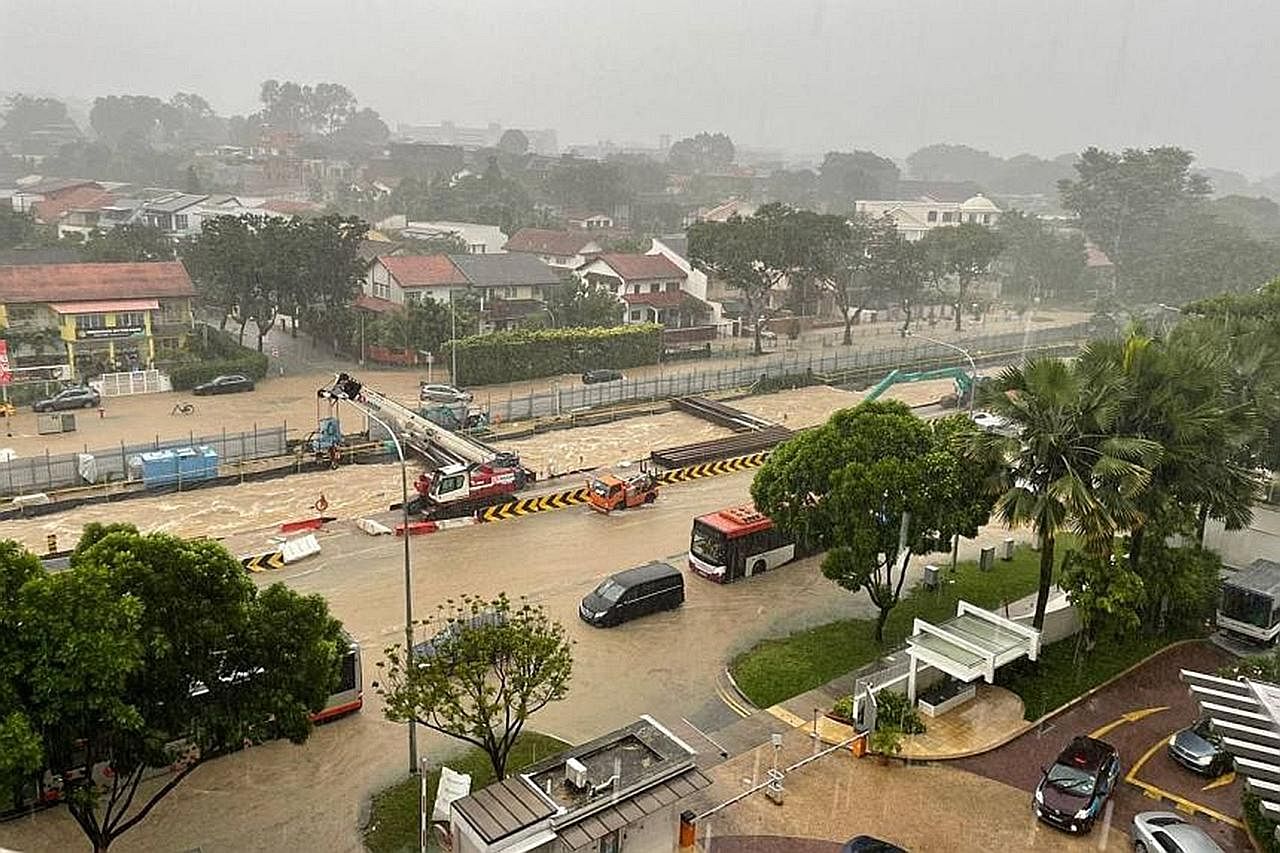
958,375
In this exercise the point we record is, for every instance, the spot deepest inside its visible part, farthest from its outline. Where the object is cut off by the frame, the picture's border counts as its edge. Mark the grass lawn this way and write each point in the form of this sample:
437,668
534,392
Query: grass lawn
774,670
393,818
1058,677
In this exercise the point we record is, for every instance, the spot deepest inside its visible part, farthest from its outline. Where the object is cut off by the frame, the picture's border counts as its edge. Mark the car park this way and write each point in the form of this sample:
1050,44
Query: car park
433,393
604,374
1199,749
1166,832
231,383
630,594
79,397
1074,788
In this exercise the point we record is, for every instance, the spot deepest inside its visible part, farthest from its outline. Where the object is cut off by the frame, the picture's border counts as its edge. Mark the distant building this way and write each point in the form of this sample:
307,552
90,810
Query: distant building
176,214
651,287
479,239
512,287
588,220
916,217
30,192
97,316
675,248
413,278
619,792
565,250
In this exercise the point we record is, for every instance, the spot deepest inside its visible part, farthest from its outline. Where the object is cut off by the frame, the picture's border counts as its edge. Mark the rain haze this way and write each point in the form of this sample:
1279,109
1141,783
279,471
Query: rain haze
806,77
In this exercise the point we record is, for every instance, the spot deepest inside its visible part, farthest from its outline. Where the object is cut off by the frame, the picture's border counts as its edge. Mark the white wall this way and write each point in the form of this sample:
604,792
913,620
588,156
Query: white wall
1239,548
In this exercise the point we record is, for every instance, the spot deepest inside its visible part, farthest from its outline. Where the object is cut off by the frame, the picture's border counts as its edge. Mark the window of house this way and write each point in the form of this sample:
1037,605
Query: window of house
130,319
91,321
635,288
635,315
22,314
413,297
507,292
673,286
933,216
946,216
655,287
180,222
986,219
382,289
476,248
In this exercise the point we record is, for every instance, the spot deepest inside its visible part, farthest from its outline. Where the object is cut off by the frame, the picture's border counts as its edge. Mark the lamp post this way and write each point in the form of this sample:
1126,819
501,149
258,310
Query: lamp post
344,388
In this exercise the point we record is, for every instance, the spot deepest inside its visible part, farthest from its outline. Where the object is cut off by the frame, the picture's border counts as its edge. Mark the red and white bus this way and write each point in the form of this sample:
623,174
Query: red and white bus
737,542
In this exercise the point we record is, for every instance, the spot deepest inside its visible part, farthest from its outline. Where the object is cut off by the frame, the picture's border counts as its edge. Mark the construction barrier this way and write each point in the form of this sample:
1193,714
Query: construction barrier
450,523
417,528
306,524
263,562
295,549
570,497
373,528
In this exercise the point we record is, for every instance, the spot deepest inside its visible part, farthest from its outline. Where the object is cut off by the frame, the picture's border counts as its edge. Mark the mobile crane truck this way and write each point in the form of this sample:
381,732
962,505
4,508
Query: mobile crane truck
470,475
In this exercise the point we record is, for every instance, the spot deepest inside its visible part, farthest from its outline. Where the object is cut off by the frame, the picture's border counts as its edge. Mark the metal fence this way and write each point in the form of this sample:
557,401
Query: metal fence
864,365
109,465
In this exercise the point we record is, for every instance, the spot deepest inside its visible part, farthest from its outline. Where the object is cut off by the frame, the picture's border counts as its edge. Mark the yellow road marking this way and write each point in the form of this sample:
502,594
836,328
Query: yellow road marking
1127,717
1181,803
733,704
1222,781
793,720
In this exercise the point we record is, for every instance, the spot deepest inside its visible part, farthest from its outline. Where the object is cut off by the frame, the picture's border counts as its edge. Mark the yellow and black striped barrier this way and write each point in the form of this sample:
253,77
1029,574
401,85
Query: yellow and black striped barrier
572,497
263,562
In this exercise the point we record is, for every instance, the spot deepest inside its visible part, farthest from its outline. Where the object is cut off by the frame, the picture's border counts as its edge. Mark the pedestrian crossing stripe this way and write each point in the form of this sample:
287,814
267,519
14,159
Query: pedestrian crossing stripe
573,497
263,562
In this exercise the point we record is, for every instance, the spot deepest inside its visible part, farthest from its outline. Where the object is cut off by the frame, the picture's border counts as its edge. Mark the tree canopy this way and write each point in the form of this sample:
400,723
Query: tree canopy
964,251
129,243
488,667
705,152
149,652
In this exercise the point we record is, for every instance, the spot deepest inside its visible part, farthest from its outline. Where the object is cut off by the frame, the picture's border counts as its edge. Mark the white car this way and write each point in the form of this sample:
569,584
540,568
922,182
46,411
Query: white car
428,393
1165,832
990,422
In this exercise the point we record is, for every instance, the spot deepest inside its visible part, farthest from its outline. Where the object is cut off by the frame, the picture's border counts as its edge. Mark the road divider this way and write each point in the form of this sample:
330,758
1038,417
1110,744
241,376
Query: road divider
573,497
417,528
373,528
296,549
263,562
306,524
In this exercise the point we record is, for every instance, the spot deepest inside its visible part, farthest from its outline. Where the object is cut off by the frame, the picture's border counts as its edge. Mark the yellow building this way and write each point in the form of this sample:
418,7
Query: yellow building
95,317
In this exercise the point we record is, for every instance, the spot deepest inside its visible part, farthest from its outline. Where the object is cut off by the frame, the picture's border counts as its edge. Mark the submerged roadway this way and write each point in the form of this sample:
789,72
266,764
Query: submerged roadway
284,797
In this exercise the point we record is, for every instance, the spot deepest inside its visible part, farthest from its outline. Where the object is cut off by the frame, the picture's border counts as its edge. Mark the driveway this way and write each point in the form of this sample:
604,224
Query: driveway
1136,714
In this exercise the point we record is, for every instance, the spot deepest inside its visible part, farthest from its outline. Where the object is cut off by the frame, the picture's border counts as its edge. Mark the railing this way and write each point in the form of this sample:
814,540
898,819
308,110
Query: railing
132,382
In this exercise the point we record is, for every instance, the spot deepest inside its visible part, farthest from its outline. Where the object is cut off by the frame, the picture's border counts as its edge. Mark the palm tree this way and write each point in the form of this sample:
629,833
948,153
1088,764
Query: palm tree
1064,467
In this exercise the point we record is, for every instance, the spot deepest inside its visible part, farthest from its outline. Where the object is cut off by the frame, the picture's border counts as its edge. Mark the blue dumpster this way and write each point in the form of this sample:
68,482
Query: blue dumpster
179,466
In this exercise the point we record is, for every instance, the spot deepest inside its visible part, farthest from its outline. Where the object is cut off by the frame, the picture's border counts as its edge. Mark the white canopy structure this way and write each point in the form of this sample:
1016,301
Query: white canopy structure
1247,715
972,645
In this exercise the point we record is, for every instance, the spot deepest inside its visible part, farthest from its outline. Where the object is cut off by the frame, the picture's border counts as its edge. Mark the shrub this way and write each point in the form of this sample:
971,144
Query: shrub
895,711
1262,828
843,708
886,740
530,354
214,353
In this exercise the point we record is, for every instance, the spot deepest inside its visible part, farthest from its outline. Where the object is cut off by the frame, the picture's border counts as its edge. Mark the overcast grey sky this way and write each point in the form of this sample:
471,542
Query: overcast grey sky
1040,76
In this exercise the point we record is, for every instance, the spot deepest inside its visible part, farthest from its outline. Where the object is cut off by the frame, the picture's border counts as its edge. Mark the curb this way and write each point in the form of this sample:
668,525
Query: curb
1068,705
738,690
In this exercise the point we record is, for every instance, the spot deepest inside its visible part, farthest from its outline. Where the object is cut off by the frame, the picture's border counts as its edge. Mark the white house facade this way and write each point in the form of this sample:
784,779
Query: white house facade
917,217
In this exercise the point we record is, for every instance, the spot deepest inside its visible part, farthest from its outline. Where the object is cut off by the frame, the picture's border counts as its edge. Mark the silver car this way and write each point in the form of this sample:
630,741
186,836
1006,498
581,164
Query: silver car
429,393
1166,832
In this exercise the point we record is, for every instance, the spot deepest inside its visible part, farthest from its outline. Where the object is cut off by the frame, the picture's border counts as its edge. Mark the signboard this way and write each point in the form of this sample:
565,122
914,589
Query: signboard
6,375
111,332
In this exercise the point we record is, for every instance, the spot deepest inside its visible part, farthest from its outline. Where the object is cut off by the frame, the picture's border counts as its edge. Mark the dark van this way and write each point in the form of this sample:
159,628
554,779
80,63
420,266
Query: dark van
635,592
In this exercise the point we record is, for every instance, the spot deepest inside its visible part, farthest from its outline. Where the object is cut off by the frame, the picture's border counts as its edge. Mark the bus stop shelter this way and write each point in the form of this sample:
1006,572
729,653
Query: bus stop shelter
971,645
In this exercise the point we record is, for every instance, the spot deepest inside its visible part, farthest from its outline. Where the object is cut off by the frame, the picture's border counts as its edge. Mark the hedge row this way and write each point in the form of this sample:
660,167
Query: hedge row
533,353
221,354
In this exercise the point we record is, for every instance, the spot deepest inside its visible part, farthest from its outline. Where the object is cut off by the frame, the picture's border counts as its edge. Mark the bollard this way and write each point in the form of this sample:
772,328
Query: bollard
51,543
688,830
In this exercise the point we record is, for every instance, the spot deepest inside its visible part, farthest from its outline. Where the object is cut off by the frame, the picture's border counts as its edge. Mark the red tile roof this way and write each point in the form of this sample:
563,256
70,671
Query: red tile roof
373,303
288,207
544,242
1095,257
641,267
93,282
423,270
51,209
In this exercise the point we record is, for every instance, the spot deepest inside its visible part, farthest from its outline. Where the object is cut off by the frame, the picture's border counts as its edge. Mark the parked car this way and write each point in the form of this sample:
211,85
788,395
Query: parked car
453,629
429,393
989,422
1199,749
1074,788
79,397
1166,832
636,592
603,374
231,383
867,844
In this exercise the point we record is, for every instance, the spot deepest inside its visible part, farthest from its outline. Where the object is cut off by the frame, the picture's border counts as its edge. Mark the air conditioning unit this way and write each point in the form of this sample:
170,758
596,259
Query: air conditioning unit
932,577
575,775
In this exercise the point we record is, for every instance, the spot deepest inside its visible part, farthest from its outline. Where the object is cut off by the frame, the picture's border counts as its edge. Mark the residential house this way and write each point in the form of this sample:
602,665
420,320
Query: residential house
479,239
916,217
29,192
733,206
412,278
512,286
96,317
176,214
651,287
675,248
588,220
621,791
566,250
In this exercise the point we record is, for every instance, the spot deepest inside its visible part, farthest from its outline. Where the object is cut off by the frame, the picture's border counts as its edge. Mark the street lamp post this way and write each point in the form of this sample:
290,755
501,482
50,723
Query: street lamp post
340,392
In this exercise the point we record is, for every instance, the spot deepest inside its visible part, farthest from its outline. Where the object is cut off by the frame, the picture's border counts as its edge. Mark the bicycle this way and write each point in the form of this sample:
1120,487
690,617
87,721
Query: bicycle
182,407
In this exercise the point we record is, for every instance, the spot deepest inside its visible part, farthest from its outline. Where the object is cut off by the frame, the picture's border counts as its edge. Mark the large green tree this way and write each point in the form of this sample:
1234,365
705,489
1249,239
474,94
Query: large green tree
963,251
873,486
489,667
150,652
130,243
580,303
844,178
706,152
1066,467
1037,261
